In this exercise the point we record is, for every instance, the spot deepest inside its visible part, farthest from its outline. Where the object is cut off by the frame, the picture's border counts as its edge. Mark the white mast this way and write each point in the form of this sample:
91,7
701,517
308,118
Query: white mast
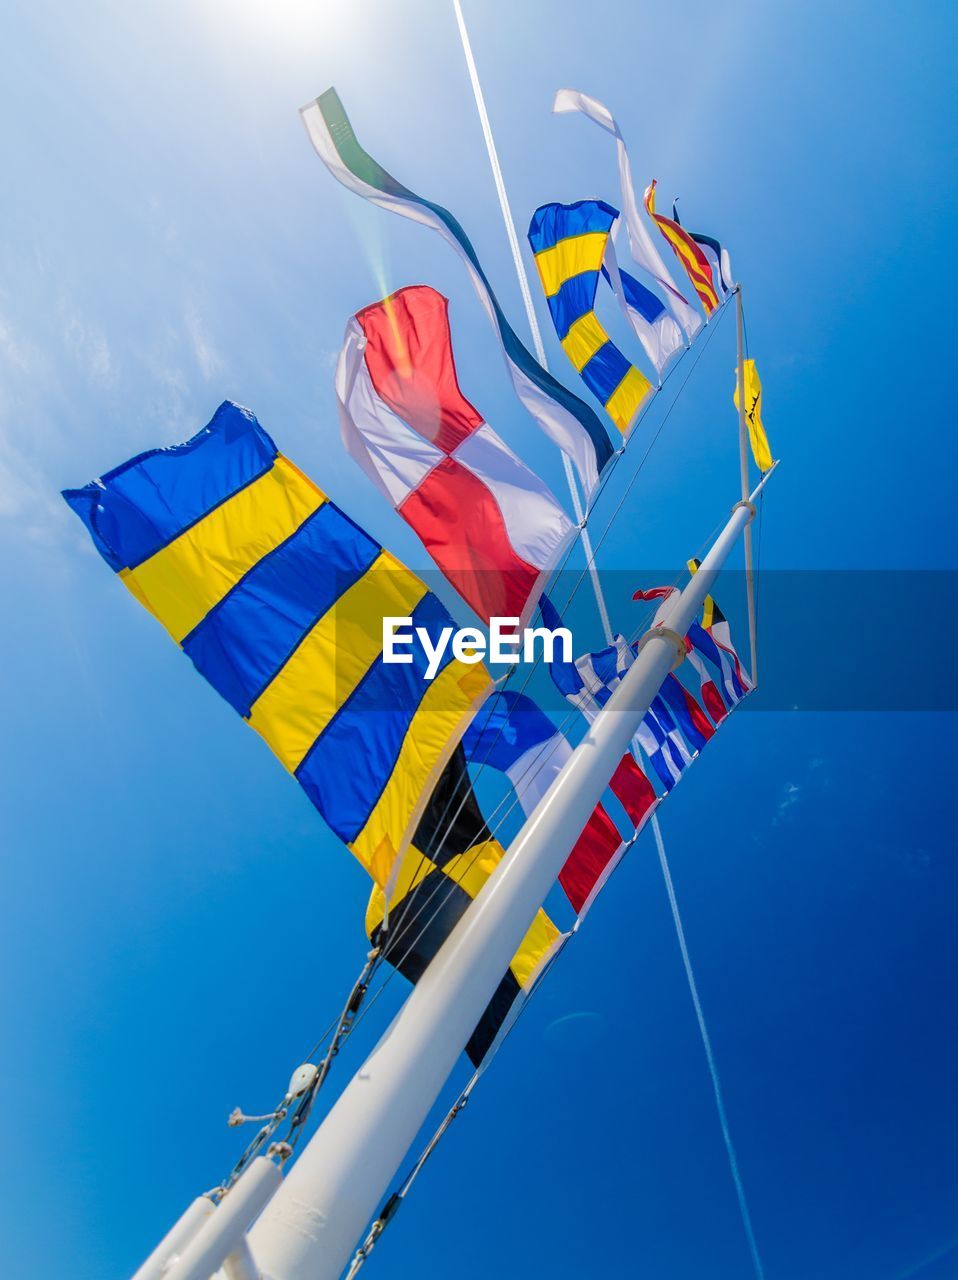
310,1228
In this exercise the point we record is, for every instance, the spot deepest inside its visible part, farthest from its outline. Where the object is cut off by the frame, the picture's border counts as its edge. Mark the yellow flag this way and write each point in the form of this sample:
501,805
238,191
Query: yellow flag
753,414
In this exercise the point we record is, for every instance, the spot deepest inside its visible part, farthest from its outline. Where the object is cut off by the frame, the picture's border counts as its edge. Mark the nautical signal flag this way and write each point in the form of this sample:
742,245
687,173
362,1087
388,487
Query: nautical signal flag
491,525
652,324
699,643
663,744
688,252
715,252
451,857
569,242
644,252
568,421
753,414
713,639
674,729
513,735
277,598
712,700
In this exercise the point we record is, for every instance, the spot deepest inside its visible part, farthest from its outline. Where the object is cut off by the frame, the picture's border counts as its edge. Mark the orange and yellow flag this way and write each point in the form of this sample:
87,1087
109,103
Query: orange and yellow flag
690,254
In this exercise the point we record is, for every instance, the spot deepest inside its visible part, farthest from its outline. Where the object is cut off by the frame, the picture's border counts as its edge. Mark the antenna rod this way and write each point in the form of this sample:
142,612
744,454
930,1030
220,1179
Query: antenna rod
309,1229
743,465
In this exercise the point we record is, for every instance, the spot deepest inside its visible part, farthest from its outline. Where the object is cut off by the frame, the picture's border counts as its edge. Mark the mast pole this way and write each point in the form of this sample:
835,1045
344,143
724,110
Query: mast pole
743,466
309,1229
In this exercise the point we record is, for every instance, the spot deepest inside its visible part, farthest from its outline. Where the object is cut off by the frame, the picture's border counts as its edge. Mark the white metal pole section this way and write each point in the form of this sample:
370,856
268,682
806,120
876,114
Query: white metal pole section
510,225
310,1227
743,466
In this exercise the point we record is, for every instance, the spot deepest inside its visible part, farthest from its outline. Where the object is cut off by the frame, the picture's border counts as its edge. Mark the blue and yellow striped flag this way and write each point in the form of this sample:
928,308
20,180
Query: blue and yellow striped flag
569,242
278,599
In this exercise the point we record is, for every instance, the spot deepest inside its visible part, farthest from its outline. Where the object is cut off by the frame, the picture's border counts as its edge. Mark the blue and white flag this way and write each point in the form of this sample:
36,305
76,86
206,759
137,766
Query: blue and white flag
675,728
651,322
725,661
514,736
590,680
662,743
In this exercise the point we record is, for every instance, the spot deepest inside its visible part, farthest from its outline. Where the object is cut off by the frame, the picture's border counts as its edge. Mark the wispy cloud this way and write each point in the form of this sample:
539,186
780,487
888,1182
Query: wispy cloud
13,350
26,496
815,776
89,347
788,803
207,357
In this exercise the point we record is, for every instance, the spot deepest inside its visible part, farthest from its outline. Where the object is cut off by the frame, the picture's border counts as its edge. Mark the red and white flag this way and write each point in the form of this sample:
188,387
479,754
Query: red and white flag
493,528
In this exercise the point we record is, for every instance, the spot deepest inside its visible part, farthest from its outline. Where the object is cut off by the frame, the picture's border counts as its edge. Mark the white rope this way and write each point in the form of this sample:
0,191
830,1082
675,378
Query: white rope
709,1055
526,292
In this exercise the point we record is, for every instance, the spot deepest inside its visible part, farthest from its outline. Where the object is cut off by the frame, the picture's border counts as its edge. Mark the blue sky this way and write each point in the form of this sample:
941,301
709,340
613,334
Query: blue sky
179,926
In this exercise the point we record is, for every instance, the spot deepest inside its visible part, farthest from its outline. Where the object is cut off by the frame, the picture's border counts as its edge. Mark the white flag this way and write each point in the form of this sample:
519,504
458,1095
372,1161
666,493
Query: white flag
644,252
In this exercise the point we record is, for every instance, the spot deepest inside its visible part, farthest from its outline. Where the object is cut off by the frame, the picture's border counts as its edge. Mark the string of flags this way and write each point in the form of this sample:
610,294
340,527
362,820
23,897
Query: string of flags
278,597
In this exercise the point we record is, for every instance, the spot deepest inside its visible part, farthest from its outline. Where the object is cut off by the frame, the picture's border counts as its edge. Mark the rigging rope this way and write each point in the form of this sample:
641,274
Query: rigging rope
709,1055
442,891
343,1025
395,1199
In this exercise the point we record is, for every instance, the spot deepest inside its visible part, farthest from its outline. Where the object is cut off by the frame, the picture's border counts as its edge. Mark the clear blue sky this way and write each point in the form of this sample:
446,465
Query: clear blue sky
178,925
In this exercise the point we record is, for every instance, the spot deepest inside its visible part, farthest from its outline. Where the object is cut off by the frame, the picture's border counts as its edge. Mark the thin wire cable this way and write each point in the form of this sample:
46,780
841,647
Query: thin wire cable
448,890
709,1055
710,332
